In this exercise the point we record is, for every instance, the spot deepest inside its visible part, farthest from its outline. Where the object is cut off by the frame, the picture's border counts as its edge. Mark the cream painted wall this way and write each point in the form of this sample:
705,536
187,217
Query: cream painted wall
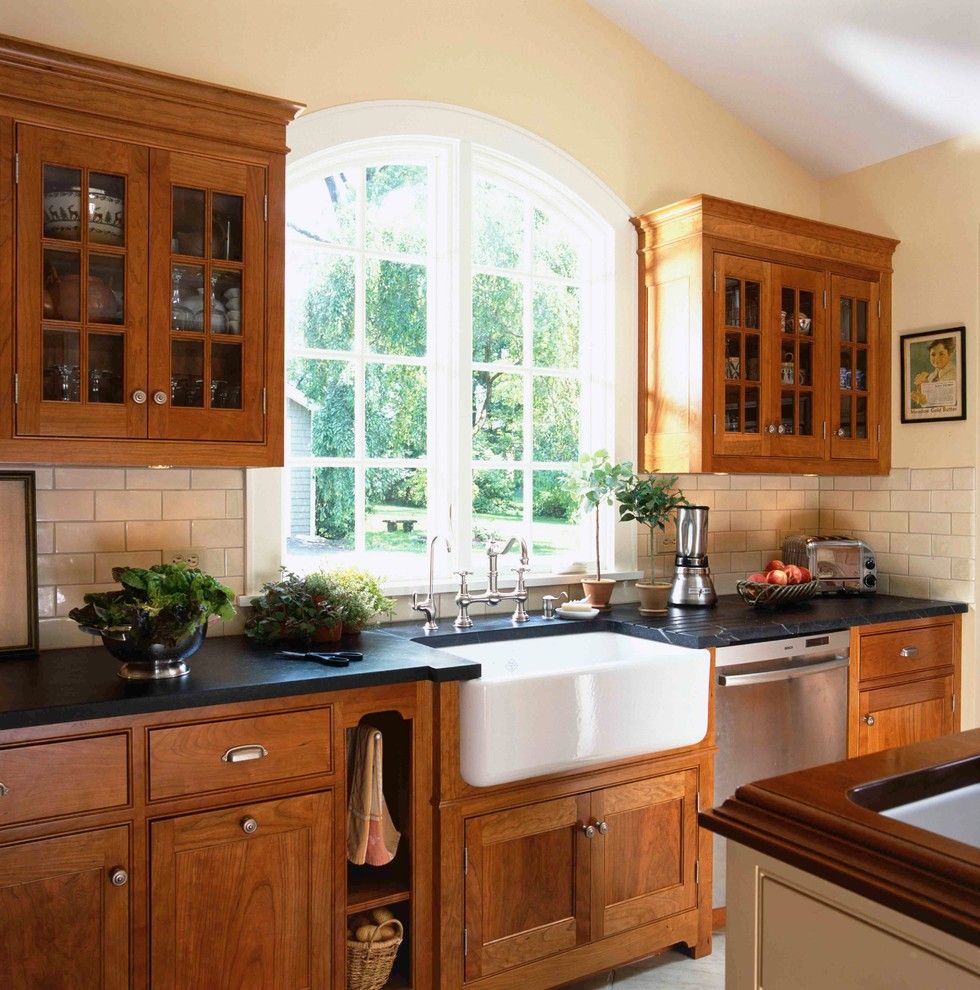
556,67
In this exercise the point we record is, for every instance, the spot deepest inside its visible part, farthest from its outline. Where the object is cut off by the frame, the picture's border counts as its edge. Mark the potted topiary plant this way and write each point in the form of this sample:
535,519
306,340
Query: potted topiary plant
650,501
593,482
360,598
157,620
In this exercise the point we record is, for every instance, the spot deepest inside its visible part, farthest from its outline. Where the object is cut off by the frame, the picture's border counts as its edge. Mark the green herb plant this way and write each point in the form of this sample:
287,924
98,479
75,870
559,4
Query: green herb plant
359,597
651,502
287,610
593,482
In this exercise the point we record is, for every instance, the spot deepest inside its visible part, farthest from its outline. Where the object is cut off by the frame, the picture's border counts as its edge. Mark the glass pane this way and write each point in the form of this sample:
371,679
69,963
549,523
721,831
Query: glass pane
187,373
806,414
498,226
556,419
787,409
752,344
806,311
324,210
395,410
861,320
787,316
62,282
806,363
556,250
498,322
62,203
300,508
319,298
106,209
187,297
333,509
554,532
395,218
498,503
187,235
320,407
394,523
845,416
845,319
105,367
498,404
752,409
846,379
752,295
557,313
787,365
62,360
226,226
733,360
733,302
861,417
861,371
226,376
226,304
733,409
396,318
106,288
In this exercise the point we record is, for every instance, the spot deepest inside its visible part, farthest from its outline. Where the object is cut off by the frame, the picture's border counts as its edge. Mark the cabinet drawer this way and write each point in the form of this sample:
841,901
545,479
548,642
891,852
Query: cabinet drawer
55,779
212,756
886,654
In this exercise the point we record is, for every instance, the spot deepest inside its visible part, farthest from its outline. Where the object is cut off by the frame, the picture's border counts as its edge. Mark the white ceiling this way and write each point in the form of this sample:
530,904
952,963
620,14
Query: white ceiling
837,84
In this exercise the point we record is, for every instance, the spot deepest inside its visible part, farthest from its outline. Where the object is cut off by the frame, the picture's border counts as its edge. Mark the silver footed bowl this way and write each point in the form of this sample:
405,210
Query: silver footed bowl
143,658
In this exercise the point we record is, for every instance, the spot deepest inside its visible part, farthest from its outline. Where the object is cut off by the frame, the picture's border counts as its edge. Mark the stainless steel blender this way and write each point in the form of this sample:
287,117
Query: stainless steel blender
692,584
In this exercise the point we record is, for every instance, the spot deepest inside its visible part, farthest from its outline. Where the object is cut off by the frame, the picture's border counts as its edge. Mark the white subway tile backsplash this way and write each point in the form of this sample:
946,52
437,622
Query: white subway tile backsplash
89,477
964,479
74,537
929,522
931,479
158,479
933,567
910,501
919,543
193,505
127,505
104,562
946,501
52,505
217,478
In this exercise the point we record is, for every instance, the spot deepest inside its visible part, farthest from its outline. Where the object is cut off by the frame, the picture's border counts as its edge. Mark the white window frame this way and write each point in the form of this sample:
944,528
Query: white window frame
454,143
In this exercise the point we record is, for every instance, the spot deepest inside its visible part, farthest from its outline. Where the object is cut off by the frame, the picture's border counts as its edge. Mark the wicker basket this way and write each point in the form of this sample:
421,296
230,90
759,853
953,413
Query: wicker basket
775,595
369,963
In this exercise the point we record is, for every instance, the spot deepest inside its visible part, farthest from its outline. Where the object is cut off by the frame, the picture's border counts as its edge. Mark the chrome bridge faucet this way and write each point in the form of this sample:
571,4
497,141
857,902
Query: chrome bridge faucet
493,595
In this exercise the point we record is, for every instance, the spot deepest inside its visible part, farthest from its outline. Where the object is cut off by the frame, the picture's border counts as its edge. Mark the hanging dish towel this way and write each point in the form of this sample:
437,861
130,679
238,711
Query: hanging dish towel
371,835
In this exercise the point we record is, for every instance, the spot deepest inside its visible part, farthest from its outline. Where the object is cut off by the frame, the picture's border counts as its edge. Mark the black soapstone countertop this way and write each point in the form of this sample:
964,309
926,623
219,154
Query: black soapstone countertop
69,685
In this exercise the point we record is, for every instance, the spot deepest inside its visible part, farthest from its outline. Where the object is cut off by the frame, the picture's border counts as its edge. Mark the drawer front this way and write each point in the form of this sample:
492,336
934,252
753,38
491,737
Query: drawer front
55,779
213,756
886,654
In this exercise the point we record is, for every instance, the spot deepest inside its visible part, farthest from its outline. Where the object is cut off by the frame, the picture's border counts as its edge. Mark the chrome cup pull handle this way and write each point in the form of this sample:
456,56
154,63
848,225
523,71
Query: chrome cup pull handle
242,754
908,651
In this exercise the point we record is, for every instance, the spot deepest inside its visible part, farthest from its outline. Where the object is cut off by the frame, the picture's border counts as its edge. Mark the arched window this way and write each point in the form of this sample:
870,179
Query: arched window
450,338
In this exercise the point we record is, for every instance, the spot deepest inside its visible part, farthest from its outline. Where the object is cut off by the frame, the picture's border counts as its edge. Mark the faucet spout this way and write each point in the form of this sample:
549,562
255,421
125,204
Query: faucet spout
428,606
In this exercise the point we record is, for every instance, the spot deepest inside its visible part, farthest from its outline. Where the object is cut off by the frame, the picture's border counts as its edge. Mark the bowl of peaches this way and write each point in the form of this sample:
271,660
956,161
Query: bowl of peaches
778,584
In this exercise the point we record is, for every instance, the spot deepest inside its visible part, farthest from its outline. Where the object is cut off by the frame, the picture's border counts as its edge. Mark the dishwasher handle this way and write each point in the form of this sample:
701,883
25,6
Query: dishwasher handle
782,673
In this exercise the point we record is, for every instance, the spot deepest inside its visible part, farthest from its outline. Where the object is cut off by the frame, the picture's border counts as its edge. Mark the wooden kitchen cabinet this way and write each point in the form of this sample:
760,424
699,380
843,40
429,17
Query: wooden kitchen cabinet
904,683
764,342
65,912
144,224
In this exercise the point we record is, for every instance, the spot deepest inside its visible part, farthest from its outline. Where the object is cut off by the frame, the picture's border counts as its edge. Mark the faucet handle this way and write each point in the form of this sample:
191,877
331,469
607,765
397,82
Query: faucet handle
463,575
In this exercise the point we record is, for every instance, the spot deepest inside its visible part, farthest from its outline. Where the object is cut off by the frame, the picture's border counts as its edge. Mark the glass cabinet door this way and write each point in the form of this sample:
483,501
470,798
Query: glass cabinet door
854,386
81,286
207,294
741,313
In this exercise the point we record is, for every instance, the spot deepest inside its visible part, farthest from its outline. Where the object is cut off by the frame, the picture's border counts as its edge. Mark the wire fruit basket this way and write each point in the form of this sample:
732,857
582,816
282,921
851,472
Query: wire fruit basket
776,595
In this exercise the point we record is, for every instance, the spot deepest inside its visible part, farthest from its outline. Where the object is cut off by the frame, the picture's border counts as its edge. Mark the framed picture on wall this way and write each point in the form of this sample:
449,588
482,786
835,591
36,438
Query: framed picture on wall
18,565
933,375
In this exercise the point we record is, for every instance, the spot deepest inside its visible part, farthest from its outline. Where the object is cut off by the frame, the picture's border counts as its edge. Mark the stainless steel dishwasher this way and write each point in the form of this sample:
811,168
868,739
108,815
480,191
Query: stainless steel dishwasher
780,706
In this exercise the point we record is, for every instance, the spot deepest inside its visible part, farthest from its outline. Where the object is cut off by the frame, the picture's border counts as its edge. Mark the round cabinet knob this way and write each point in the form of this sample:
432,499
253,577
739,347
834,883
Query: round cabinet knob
139,397
602,828
841,432
771,428
119,877
249,825
869,720
589,831
160,398
781,428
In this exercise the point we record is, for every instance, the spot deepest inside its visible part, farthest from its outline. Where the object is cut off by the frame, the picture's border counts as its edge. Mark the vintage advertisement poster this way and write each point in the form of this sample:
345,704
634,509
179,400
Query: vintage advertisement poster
933,384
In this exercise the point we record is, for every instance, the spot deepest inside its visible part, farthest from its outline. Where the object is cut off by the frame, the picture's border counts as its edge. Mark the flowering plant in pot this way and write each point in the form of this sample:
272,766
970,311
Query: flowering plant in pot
594,482
650,501
286,610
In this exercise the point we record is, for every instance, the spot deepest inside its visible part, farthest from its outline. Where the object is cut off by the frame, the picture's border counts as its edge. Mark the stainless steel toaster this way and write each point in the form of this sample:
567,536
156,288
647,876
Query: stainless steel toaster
842,565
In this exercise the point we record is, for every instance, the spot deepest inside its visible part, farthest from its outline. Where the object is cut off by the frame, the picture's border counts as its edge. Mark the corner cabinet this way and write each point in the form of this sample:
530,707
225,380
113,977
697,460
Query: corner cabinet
147,252
764,342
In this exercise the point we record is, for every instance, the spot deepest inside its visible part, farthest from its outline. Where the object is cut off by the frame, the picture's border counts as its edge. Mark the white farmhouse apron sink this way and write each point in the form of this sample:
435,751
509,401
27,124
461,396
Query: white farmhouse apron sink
553,703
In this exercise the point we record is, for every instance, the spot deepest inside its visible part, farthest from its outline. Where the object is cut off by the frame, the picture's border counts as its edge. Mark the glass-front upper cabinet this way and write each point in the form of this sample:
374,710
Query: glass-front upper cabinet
855,418
207,299
81,286
741,313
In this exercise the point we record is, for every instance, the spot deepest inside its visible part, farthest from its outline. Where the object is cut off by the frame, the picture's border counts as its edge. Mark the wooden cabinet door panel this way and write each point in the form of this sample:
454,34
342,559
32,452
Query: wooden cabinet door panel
243,910
527,888
63,924
644,865
207,366
81,290
905,714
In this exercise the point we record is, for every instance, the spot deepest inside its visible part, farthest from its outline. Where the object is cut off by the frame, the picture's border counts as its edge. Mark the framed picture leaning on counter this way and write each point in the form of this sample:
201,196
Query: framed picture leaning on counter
933,375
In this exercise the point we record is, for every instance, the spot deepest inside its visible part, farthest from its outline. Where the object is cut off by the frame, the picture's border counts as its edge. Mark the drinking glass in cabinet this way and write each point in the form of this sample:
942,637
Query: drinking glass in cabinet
733,403
187,298
187,373
105,363
62,360
226,376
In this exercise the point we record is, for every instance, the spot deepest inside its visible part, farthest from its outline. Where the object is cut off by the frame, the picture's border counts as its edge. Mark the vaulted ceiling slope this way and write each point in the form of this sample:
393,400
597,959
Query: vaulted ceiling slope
836,84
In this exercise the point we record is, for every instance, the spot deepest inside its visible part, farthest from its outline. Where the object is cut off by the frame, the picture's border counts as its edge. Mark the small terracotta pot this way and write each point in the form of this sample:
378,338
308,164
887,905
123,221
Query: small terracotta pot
598,592
653,598
353,630
328,634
